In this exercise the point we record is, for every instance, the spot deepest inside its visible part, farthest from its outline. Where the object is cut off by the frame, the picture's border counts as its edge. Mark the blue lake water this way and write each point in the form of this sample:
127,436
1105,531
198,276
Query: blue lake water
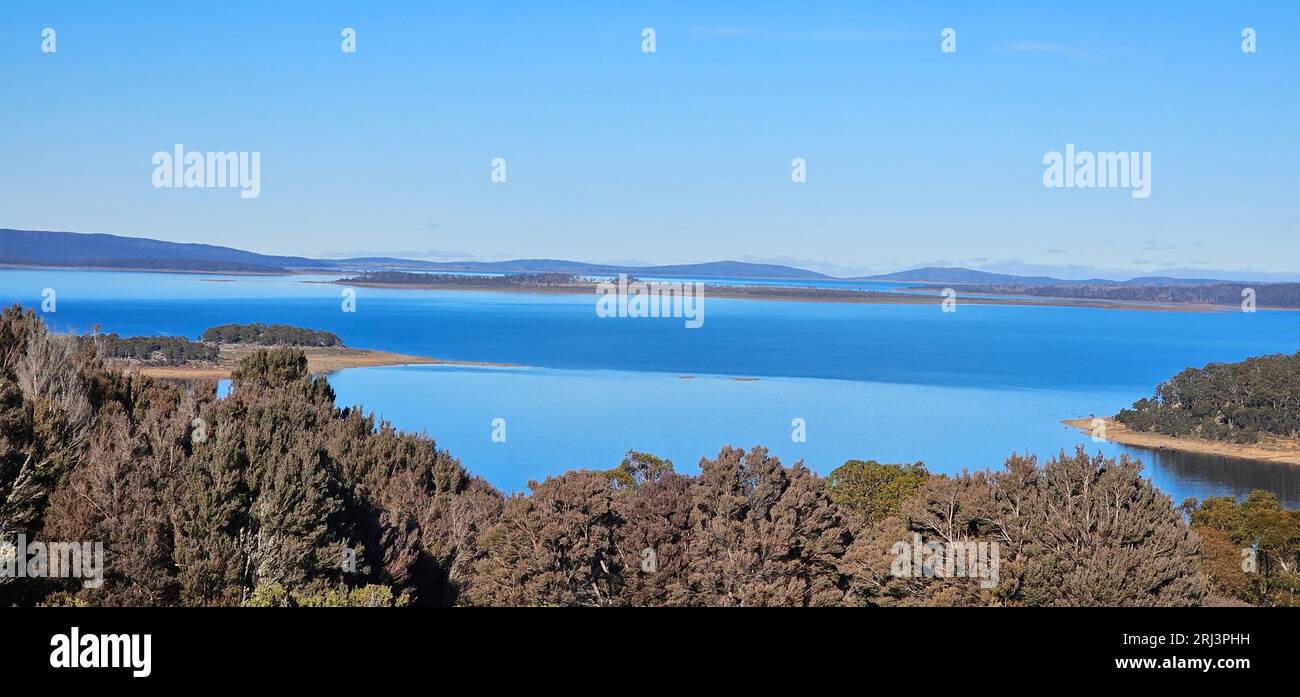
891,382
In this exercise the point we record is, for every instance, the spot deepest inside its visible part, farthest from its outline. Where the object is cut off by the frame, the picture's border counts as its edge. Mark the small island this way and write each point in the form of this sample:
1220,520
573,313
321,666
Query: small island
1249,409
221,348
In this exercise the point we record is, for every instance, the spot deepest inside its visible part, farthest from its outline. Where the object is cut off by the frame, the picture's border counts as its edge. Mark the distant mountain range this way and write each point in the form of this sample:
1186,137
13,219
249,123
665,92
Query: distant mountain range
34,248
956,275
99,250
721,269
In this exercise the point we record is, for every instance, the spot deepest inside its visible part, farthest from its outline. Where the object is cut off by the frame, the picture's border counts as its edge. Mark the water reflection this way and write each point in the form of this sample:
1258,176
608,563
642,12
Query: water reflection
1211,475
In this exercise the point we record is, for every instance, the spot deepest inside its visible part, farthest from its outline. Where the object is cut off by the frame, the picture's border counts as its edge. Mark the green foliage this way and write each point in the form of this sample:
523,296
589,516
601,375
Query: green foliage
638,469
873,490
371,595
273,369
1253,547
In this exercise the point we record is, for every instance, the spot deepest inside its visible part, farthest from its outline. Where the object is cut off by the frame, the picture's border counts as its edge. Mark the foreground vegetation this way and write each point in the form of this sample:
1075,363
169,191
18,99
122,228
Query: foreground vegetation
261,497
1250,549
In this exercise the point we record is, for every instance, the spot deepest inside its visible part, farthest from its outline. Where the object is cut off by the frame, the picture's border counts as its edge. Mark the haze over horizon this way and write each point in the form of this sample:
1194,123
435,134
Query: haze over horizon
25,253
915,157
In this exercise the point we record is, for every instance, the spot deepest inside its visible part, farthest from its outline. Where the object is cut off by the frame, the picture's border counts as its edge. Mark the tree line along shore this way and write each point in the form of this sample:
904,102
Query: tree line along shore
1216,294
581,285
273,495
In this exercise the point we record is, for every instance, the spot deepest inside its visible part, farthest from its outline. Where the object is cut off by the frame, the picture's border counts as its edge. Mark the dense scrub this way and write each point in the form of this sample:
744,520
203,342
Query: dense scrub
1225,401
266,496
257,498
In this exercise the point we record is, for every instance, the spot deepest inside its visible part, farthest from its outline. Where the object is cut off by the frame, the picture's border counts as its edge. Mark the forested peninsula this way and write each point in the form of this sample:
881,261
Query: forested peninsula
1248,409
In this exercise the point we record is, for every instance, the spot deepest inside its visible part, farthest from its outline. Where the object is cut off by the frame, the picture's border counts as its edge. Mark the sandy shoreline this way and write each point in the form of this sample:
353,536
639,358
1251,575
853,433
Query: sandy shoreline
1272,450
319,360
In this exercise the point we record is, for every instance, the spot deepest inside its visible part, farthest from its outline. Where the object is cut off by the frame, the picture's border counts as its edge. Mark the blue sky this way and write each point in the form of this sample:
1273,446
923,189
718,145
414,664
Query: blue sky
914,156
